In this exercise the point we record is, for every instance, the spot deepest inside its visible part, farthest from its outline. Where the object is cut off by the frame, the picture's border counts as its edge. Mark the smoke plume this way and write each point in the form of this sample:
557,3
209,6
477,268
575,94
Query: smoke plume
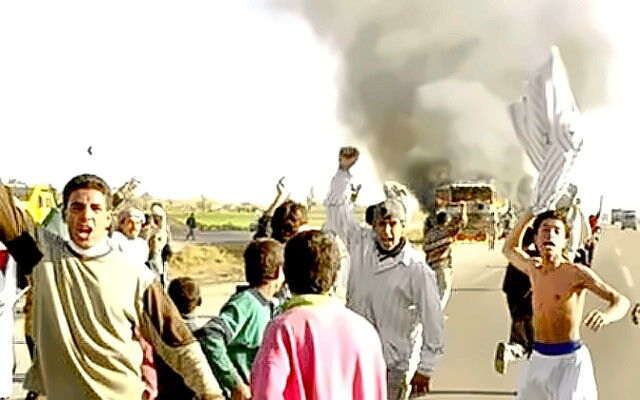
431,80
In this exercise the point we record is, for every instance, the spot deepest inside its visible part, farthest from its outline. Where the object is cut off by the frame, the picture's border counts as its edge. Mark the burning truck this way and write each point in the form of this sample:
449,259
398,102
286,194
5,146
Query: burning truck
431,182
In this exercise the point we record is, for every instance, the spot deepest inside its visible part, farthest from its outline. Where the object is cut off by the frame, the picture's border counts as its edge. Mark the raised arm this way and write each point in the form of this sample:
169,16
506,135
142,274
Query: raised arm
618,304
276,200
512,249
264,223
339,207
17,232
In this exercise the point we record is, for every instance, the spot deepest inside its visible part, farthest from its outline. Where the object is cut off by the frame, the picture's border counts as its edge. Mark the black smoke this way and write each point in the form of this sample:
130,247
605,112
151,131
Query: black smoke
408,67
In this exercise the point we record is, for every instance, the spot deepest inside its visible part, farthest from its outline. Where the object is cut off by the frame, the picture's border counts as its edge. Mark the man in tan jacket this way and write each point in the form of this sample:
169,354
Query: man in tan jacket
89,300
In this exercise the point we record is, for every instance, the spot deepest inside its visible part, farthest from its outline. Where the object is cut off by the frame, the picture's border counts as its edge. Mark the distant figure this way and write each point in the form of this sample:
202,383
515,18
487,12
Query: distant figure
159,240
437,247
191,223
580,234
596,233
310,201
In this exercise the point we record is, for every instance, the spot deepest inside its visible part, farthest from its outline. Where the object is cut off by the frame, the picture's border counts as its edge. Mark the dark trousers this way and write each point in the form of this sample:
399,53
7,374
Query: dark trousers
522,331
30,345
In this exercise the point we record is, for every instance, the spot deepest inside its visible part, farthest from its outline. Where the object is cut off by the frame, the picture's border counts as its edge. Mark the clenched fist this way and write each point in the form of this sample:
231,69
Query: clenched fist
348,156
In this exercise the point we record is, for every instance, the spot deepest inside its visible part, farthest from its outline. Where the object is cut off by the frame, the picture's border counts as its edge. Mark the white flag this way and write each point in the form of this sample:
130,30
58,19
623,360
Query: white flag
546,123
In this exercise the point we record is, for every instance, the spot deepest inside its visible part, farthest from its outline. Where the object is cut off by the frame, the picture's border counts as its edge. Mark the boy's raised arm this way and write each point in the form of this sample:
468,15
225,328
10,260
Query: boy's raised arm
512,249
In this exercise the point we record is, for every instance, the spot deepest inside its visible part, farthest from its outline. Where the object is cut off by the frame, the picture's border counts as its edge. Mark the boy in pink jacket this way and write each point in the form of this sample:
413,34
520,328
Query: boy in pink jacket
317,349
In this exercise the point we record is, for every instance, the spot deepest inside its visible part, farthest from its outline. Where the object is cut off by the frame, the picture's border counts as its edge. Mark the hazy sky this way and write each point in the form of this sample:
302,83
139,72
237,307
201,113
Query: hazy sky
222,99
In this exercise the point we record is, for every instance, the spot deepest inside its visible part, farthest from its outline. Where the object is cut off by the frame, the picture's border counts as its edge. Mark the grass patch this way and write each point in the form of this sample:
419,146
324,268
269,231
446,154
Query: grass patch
242,220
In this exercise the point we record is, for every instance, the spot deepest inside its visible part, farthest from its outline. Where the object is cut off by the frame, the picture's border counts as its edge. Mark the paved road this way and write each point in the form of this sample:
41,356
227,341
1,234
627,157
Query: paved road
478,318
179,233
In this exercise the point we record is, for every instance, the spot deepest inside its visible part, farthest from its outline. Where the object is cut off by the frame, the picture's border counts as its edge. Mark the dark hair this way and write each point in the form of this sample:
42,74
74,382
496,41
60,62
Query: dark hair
185,294
528,238
287,219
390,209
156,203
311,262
441,218
262,259
86,181
552,214
370,214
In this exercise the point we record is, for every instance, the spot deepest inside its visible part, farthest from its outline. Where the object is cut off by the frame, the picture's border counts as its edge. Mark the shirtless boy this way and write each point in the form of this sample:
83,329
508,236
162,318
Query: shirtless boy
560,365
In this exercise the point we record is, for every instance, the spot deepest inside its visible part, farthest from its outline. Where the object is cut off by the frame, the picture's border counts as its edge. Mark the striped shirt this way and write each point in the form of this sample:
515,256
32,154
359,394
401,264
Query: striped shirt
398,295
545,123
339,205
438,241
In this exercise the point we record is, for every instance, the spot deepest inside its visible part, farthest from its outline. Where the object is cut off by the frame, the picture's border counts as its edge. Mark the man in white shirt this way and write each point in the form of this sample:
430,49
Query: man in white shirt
389,284
127,238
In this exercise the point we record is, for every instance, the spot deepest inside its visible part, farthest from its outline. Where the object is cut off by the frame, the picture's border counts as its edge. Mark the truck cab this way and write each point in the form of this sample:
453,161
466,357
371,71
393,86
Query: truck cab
629,220
482,209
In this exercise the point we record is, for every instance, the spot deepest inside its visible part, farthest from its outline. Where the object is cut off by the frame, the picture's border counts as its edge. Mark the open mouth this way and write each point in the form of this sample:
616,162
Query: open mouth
548,244
84,232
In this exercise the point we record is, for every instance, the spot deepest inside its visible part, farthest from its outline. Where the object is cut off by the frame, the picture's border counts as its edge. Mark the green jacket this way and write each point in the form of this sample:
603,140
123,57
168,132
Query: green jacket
231,340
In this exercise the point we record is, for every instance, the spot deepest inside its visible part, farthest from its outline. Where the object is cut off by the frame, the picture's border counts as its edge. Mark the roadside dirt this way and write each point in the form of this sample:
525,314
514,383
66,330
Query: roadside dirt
209,263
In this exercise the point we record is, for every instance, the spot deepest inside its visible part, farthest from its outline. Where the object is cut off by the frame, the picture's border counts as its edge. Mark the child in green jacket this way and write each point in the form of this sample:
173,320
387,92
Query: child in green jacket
231,340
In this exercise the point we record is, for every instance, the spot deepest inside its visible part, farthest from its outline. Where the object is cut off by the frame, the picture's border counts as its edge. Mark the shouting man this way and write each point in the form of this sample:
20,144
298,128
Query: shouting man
389,284
90,300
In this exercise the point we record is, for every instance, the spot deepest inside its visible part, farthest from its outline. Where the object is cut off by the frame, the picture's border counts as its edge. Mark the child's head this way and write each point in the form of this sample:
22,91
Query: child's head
287,220
263,261
551,232
311,262
185,294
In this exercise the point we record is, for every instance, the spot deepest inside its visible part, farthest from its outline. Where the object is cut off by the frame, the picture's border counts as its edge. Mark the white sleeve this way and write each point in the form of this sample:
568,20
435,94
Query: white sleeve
432,318
339,207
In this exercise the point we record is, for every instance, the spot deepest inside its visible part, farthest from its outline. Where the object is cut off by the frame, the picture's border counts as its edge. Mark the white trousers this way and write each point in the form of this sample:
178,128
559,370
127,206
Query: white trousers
562,377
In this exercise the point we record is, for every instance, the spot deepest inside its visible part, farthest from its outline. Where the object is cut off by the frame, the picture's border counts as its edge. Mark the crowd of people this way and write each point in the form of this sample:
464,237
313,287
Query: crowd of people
351,311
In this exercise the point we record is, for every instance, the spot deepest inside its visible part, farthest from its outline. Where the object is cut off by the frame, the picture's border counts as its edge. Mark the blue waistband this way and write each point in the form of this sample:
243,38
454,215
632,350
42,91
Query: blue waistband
556,349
